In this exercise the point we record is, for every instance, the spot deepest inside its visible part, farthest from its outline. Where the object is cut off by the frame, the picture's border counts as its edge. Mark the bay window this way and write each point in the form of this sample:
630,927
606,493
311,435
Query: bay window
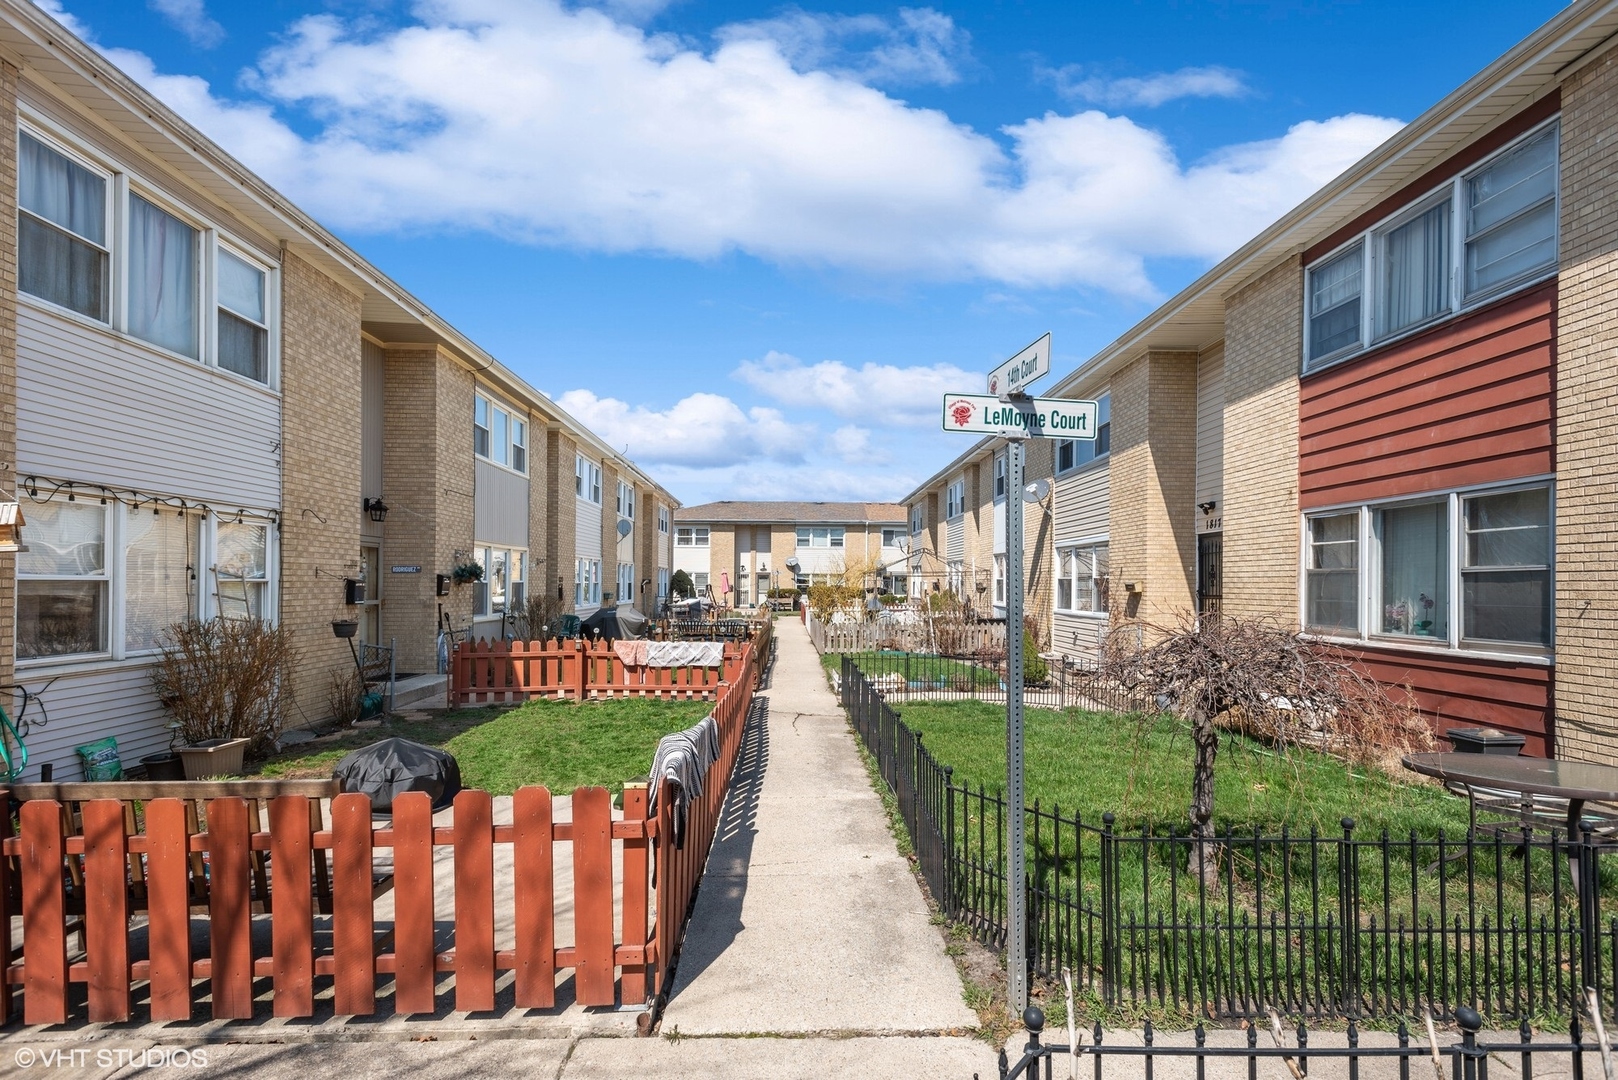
63,254
1499,219
1463,570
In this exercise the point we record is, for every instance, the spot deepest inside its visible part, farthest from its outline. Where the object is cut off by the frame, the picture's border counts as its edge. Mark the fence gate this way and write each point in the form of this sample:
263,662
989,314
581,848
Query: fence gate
1210,588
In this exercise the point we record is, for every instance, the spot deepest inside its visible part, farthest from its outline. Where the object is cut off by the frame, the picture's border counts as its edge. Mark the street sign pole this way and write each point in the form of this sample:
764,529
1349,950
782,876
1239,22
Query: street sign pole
1016,866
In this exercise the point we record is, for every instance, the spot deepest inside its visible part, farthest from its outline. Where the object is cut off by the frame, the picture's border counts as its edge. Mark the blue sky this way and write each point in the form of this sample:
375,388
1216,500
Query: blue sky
753,243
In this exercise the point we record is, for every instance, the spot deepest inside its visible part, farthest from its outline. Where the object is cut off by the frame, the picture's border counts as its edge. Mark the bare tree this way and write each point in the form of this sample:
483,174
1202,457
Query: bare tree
1253,676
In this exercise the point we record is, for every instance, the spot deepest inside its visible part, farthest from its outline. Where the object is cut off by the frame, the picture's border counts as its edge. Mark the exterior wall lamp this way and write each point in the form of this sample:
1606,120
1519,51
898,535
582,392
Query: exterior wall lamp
1207,507
377,509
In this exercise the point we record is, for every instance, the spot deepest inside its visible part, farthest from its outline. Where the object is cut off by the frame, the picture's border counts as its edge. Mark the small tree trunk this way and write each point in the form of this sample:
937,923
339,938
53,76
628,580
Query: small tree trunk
1204,862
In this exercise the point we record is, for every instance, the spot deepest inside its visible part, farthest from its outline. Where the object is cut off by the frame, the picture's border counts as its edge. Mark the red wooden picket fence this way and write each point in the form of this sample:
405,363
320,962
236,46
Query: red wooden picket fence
613,961
493,672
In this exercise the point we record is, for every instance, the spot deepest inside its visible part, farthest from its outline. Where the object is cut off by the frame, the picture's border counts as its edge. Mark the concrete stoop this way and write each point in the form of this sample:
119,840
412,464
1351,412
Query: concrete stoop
420,691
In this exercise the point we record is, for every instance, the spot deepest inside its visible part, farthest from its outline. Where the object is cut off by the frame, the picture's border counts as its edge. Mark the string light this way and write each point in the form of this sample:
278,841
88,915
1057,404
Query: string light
43,489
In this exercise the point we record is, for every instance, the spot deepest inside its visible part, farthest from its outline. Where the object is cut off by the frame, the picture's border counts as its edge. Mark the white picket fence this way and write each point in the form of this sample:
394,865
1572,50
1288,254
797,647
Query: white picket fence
911,631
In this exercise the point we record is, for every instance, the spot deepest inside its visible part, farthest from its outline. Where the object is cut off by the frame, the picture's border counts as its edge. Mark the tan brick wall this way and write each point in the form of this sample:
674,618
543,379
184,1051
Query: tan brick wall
1586,683
428,475
561,511
1263,347
646,536
783,546
1153,483
541,575
722,560
8,358
320,480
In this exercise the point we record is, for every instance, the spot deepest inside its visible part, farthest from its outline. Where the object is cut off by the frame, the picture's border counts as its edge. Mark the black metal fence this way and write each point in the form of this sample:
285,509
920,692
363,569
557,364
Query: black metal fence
1343,925
1467,1059
914,676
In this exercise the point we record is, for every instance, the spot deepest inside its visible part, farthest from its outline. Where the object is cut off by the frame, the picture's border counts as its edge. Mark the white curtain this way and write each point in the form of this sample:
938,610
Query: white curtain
162,278
1415,272
1415,570
58,190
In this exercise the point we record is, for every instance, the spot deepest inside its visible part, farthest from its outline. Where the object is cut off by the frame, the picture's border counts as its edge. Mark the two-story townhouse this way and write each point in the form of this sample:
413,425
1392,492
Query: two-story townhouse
1388,418
742,550
223,411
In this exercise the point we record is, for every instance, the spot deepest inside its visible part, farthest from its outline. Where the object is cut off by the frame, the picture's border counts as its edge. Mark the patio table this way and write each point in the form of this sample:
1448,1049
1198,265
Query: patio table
1578,782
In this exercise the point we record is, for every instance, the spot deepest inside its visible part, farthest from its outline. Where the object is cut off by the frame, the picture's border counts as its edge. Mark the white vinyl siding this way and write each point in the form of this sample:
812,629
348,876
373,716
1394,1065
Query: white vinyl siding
587,548
499,505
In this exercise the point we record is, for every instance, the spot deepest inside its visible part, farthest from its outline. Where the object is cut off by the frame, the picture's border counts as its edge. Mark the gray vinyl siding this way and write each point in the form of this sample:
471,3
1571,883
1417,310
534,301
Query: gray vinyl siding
372,366
98,408
115,700
1082,503
955,537
1210,430
500,505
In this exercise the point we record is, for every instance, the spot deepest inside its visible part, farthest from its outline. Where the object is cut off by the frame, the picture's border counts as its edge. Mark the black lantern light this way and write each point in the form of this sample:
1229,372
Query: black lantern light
377,509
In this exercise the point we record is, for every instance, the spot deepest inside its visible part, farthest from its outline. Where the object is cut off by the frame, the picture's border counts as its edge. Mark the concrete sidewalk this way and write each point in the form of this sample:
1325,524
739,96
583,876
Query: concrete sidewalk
808,920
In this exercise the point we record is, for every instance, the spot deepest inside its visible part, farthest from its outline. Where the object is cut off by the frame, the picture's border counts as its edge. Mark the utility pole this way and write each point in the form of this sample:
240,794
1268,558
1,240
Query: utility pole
1016,864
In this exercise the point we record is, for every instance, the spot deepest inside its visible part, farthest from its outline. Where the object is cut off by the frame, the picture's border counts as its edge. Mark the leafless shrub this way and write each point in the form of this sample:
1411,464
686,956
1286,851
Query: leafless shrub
225,679
1253,676
542,609
343,695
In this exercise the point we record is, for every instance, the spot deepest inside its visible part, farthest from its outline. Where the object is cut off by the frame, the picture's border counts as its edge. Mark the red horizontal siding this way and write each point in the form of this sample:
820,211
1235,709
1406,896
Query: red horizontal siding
1468,402
1460,691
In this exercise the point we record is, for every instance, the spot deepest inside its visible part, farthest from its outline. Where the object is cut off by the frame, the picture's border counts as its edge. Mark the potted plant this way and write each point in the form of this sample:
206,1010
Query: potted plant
467,572
165,765
225,682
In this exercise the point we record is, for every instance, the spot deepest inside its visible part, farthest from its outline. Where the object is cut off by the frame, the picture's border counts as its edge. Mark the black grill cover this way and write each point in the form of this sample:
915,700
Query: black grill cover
616,622
395,766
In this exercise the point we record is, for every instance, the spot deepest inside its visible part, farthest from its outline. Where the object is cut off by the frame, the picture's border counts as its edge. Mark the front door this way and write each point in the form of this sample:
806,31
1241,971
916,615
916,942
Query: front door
1209,587
371,609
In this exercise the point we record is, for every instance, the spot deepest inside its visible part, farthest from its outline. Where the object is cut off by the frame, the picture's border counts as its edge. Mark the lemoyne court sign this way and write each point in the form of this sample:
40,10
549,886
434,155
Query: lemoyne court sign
1040,418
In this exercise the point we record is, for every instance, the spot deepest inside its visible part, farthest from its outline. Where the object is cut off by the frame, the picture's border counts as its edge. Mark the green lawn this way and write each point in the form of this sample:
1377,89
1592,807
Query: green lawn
561,745
1140,769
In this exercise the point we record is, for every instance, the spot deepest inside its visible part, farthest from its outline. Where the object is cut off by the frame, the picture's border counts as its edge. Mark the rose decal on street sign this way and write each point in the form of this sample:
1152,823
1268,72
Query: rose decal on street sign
994,383
961,413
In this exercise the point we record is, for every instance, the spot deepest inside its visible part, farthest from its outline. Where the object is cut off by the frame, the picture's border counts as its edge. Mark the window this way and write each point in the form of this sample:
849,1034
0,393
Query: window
62,252
502,587
662,583
1493,547
162,278
821,537
955,576
1511,215
890,537
999,579
626,500
242,567
1506,583
586,582
587,479
1071,453
691,536
699,582
1506,215
662,519
742,594
160,552
244,325
62,581
1000,465
1332,600
626,583
918,520
955,500
498,435
1081,578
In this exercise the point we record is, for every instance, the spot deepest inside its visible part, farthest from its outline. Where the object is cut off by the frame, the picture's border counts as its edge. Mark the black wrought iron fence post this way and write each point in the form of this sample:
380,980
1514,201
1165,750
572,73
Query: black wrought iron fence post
1111,909
1348,917
1589,895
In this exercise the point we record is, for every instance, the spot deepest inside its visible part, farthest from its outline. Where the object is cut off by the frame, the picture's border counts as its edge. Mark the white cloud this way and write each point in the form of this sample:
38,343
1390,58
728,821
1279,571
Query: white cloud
702,431
73,23
853,444
920,46
1152,90
191,18
776,481
560,126
907,395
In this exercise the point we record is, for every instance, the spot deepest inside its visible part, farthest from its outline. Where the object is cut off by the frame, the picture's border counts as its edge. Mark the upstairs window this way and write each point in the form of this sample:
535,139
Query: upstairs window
918,521
62,251
691,536
1071,453
890,537
955,500
244,325
498,435
809,536
587,480
662,519
626,500
480,427
1000,478
1499,219
162,278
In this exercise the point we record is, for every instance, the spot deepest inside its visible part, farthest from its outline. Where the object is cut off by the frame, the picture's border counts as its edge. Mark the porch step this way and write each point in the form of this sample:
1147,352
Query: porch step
428,690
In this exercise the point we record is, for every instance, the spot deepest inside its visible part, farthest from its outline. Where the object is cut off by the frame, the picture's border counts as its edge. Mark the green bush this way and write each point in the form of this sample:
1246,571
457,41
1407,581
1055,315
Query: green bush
682,585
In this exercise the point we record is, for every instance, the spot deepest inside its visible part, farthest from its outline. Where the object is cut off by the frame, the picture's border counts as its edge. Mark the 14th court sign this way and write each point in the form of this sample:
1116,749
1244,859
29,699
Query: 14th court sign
1050,418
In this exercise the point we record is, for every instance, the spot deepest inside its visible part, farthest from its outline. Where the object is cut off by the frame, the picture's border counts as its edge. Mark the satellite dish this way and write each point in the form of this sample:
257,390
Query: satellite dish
792,564
1036,491
624,528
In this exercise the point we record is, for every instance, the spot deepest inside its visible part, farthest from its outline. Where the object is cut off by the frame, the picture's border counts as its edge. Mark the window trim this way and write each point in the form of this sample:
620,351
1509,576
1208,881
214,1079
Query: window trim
514,417
485,590
1097,456
1460,303
1082,543
705,531
1370,568
1001,474
958,501
586,480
